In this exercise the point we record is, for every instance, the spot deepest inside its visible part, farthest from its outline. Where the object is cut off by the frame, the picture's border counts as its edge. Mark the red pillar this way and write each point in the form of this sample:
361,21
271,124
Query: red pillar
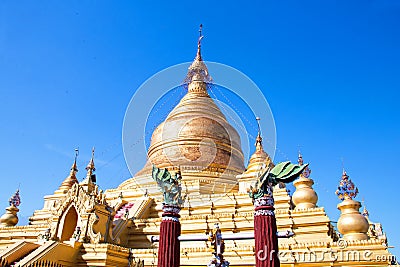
265,230
170,230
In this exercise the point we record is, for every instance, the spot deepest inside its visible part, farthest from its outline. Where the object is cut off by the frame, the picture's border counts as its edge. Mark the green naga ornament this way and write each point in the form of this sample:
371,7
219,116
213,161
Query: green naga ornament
284,172
169,185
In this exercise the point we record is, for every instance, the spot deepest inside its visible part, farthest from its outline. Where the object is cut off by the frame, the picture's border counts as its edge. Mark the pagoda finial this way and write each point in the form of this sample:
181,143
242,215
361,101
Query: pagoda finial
365,212
74,167
198,71
307,171
300,158
89,182
90,167
198,55
346,188
258,144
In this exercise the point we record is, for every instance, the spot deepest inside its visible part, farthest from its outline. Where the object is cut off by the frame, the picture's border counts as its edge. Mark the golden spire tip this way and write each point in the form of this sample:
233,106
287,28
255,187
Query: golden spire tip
74,166
198,55
91,166
258,124
258,138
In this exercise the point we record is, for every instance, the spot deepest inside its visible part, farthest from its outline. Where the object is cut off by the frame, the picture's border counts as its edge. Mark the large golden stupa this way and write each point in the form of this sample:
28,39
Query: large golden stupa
80,225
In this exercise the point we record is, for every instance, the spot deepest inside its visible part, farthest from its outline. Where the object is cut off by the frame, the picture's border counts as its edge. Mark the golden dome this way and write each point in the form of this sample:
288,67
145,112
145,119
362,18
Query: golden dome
197,138
196,133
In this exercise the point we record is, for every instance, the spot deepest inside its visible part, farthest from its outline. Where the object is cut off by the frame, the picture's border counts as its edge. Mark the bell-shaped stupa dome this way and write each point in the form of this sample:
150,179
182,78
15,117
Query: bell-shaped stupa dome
197,138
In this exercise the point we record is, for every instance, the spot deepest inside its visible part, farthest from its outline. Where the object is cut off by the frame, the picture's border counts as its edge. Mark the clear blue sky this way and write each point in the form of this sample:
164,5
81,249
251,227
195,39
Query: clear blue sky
329,69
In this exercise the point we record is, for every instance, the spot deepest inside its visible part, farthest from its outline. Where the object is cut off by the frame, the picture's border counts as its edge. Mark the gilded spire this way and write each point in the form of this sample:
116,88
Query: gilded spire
346,188
71,178
260,158
260,155
90,167
198,55
365,212
307,171
259,146
198,71
89,182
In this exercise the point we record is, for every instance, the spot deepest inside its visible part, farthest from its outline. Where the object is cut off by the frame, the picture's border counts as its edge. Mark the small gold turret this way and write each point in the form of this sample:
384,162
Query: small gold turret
258,161
351,224
365,212
259,156
10,218
304,197
89,183
375,230
71,179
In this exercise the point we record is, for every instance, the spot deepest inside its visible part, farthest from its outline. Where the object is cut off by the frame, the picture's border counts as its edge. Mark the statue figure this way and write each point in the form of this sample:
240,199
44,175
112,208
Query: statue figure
45,236
284,172
378,229
170,185
77,233
371,231
218,245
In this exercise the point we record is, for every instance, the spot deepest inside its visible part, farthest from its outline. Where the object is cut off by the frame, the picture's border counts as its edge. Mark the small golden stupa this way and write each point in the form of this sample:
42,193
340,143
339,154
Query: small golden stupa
304,197
352,225
10,218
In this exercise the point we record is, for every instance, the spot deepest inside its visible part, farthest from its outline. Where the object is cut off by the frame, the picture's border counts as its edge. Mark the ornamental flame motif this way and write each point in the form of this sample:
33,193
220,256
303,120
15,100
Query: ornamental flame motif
15,200
346,188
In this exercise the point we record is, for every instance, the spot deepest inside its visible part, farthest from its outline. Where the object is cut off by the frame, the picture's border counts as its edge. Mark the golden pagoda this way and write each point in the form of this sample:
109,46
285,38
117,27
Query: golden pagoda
80,225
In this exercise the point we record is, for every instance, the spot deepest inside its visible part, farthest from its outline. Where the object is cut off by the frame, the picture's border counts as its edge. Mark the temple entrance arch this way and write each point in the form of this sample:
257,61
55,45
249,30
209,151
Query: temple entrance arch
68,223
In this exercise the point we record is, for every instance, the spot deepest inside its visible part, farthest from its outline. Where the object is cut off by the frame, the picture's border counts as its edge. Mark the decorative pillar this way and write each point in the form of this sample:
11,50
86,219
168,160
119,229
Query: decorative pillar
265,229
265,232
170,230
